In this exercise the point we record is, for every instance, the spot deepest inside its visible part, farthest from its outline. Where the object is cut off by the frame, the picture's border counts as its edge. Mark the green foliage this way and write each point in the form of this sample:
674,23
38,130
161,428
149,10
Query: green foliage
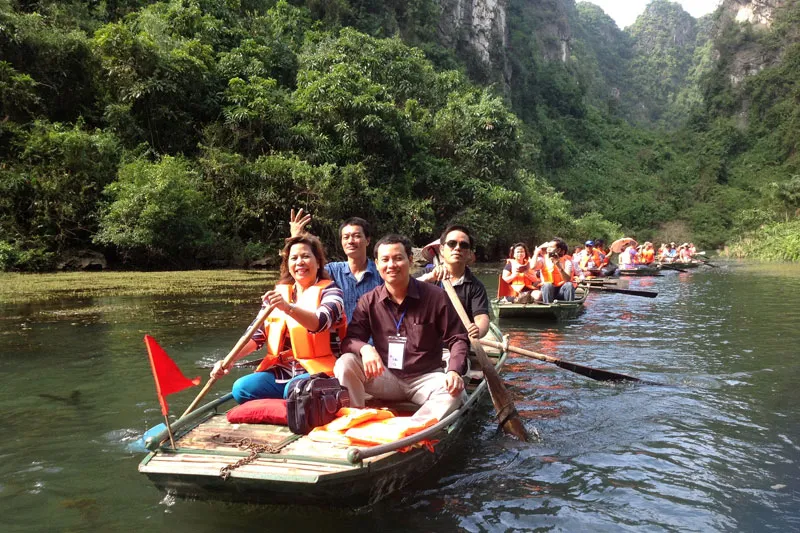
773,242
595,226
49,194
228,113
158,212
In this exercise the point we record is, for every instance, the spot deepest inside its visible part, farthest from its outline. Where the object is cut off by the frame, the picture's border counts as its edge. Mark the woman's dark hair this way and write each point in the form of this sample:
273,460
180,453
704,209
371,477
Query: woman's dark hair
524,247
394,238
316,248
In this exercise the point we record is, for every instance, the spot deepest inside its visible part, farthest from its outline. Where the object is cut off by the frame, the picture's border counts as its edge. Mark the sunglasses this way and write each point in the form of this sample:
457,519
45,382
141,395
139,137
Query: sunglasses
464,245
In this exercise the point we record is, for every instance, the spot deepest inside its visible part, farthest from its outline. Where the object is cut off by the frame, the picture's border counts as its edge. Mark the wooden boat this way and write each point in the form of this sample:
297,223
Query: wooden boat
641,271
678,265
269,464
599,281
552,311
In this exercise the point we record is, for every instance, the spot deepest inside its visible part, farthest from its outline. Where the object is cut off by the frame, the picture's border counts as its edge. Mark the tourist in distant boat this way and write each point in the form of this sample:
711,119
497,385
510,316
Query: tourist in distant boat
627,257
307,304
661,256
608,268
577,255
457,252
520,276
555,265
591,260
672,253
684,256
648,255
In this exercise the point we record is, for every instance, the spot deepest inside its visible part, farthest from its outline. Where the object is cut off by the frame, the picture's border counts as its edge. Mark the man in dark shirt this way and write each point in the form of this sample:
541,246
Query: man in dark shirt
409,322
456,252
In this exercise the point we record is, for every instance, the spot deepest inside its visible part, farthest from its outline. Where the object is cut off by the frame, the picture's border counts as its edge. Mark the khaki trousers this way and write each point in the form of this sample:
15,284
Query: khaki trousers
427,390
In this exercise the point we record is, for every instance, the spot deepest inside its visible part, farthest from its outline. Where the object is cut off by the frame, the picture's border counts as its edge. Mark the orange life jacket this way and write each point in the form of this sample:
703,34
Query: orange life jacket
520,282
595,258
387,430
648,256
550,274
311,350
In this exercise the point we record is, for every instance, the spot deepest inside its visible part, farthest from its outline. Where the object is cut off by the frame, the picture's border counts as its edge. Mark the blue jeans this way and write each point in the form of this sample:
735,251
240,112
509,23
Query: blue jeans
564,293
260,385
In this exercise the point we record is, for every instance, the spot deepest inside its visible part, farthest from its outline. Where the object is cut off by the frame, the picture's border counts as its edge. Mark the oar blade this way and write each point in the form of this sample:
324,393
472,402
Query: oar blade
632,292
595,373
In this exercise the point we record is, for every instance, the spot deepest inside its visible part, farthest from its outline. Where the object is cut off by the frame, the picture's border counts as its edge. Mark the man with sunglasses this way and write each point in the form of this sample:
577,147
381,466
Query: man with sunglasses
456,253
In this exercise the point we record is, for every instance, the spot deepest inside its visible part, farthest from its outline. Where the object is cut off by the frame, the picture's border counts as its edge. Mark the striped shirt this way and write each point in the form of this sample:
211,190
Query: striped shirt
329,312
352,288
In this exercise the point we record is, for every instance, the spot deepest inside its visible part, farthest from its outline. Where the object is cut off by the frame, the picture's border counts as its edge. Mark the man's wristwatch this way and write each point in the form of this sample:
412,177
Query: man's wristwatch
290,312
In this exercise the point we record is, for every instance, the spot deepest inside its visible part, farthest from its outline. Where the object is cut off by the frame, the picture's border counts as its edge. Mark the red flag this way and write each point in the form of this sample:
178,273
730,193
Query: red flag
168,376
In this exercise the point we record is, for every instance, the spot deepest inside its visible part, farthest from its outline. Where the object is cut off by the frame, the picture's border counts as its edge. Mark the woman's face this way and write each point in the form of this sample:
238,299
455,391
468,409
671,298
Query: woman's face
302,264
519,254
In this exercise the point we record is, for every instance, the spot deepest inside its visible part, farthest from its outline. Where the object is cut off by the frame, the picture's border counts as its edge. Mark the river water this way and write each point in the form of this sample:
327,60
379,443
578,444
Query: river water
715,448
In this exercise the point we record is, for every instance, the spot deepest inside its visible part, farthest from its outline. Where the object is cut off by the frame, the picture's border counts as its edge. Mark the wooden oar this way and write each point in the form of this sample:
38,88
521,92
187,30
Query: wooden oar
706,261
672,266
646,294
501,399
262,315
594,373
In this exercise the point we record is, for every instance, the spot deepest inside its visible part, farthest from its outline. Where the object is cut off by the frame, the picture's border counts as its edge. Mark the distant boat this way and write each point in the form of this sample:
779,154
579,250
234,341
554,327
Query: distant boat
641,270
558,310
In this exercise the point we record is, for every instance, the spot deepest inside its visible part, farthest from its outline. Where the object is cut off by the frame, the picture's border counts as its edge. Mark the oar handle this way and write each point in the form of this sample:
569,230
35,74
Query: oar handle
521,351
260,318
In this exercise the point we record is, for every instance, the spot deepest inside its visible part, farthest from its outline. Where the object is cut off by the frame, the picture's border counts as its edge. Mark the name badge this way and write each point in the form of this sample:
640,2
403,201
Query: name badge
397,351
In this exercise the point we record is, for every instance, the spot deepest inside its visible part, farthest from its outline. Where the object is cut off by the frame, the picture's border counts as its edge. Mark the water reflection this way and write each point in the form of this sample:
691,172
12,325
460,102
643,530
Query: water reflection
714,449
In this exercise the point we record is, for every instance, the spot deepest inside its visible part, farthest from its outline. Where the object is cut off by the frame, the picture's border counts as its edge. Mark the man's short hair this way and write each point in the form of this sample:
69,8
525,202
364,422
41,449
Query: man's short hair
357,221
456,227
394,238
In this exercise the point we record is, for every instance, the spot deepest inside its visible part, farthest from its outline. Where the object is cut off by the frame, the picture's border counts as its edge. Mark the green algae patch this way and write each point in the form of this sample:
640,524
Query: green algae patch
24,288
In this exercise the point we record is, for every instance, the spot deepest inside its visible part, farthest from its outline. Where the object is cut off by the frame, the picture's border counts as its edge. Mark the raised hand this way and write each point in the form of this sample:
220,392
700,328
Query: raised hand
298,222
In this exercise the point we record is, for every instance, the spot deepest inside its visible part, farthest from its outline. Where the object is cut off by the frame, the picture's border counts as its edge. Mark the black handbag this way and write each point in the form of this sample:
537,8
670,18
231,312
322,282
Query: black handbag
313,401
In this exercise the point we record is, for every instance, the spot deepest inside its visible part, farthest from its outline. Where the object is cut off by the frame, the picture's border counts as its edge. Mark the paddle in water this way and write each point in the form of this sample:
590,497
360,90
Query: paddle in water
646,294
593,373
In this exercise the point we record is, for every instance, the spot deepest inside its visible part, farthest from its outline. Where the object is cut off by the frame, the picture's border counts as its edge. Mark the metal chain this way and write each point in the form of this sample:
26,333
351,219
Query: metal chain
255,449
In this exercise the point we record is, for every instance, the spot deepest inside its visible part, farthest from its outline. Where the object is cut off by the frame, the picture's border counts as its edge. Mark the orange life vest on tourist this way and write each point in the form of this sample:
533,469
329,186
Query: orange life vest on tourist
311,350
595,257
520,282
648,256
550,274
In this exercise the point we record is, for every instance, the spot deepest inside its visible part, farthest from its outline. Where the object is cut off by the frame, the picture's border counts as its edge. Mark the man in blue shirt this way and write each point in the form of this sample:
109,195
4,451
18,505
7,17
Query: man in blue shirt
356,276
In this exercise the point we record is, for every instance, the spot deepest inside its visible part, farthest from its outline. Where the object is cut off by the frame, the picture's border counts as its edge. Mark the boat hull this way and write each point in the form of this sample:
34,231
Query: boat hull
645,271
540,311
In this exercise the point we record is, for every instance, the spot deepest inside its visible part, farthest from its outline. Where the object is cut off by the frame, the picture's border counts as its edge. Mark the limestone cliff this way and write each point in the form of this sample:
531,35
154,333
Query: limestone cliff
477,28
750,56
756,12
480,29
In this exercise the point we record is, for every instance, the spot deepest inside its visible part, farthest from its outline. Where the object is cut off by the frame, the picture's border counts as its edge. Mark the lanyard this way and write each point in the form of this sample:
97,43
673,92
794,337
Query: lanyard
398,321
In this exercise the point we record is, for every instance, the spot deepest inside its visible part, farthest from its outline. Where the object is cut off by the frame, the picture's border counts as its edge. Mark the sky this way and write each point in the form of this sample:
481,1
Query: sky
624,12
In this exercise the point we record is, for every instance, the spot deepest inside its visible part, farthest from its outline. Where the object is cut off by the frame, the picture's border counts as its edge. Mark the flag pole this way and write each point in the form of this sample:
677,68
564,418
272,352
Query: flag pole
169,431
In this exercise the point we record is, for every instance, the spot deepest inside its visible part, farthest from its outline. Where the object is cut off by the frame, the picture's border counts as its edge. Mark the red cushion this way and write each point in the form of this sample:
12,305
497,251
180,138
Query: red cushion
268,411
